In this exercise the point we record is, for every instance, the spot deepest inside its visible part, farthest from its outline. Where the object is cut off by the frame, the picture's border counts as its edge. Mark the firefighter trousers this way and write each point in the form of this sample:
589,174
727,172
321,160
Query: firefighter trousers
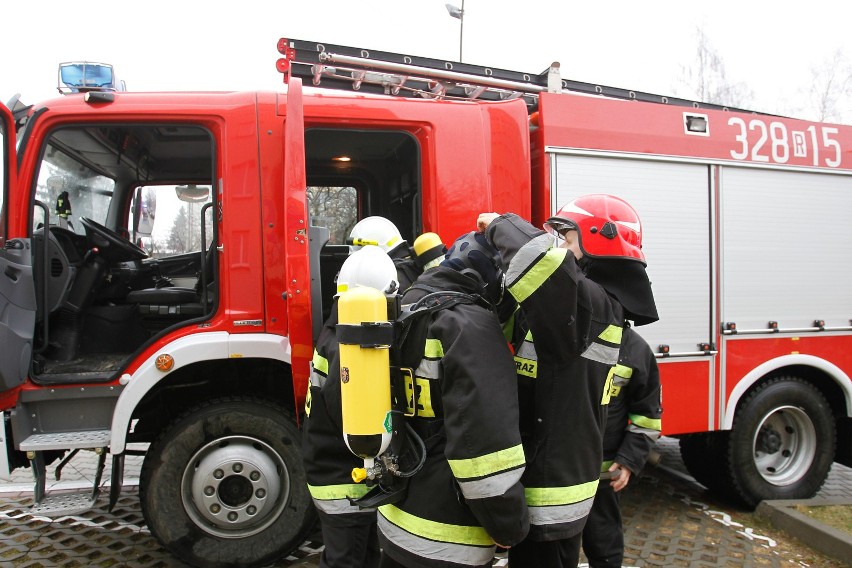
351,541
603,537
562,553
388,562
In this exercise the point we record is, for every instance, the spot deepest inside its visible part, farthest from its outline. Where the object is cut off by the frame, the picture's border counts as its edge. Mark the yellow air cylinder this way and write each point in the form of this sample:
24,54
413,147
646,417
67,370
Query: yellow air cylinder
429,250
365,336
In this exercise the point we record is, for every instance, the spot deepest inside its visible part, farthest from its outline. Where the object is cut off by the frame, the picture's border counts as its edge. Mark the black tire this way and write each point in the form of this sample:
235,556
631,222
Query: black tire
782,442
224,485
705,458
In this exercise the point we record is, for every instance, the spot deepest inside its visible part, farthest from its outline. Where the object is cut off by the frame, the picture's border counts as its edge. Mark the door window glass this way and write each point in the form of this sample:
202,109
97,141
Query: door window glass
165,220
335,208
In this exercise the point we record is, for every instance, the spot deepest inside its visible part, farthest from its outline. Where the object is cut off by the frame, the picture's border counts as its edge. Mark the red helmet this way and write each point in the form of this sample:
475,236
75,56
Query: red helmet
607,225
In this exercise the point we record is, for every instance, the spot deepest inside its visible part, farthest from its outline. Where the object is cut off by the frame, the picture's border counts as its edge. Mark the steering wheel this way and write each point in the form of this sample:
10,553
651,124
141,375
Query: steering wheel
111,245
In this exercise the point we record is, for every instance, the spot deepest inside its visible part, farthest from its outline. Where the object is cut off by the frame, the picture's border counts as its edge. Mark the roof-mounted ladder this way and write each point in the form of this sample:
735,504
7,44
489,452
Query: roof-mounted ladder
394,74
342,67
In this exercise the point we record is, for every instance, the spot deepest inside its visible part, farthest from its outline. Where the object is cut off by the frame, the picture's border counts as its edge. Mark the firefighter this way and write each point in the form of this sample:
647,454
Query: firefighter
632,428
382,232
63,203
468,495
349,533
571,329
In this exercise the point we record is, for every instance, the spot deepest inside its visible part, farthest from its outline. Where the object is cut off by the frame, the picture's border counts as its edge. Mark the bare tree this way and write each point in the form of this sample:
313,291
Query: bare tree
706,79
831,83
335,208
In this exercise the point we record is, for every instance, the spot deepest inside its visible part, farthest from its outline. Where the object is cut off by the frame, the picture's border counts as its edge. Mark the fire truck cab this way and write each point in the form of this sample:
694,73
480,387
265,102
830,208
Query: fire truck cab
196,342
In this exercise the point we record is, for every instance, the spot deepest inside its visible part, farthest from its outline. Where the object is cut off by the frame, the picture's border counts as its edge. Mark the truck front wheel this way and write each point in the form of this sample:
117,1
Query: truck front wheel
224,485
782,442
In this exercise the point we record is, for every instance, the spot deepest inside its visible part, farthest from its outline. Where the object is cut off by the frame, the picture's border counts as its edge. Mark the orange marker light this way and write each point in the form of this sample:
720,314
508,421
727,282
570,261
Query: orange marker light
165,363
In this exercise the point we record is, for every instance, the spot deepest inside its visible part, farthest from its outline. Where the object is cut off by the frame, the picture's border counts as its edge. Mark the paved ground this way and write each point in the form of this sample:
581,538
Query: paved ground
670,520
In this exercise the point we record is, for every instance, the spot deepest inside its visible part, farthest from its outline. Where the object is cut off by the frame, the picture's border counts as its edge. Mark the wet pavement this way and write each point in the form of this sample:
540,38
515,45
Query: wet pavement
670,520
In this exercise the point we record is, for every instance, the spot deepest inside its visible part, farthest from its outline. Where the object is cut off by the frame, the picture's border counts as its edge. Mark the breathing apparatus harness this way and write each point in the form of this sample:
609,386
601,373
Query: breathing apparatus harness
387,472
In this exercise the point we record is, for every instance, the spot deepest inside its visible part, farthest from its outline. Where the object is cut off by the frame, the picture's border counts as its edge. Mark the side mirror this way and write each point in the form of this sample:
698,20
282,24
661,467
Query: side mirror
147,211
192,193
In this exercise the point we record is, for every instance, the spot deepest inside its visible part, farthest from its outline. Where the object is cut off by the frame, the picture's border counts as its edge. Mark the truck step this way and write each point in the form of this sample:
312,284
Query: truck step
62,504
66,440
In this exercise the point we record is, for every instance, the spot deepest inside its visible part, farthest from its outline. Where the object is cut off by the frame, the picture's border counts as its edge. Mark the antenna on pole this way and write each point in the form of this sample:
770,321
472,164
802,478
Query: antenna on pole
458,13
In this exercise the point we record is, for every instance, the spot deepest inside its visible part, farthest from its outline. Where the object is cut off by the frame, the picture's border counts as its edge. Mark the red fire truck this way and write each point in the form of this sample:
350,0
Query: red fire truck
192,347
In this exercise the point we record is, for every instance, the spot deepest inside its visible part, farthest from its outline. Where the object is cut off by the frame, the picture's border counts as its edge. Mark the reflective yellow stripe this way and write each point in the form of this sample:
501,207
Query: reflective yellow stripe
320,363
324,492
526,367
488,464
543,496
433,349
535,277
607,390
624,371
509,327
308,400
423,389
433,530
612,334
645,422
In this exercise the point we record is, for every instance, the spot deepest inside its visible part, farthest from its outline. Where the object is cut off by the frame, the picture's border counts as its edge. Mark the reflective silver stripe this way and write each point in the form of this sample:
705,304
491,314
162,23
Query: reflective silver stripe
526,359
555,514
619,381
652,434
526,257
435,550
429,369
527,350
317,378
339,507
491,486
602,354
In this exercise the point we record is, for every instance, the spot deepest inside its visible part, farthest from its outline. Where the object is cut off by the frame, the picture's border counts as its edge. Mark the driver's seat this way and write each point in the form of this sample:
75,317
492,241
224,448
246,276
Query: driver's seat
177,300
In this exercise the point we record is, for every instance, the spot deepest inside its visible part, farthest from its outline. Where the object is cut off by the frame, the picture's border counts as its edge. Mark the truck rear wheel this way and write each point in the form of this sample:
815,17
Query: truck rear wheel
782,442
225,486
705,457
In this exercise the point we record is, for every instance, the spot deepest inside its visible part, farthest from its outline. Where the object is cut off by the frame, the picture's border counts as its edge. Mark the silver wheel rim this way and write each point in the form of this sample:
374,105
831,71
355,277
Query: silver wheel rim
784,445
235,487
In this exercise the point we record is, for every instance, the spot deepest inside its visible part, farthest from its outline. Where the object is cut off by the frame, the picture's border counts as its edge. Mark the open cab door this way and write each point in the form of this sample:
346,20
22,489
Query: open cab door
296,241
17,291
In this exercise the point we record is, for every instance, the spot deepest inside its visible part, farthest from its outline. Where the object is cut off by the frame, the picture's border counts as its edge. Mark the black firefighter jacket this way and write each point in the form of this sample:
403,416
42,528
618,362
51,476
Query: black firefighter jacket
633,417
564,382
468,494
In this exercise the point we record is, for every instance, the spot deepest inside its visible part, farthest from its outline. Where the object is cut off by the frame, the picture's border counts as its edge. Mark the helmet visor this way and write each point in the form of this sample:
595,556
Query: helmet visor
558,227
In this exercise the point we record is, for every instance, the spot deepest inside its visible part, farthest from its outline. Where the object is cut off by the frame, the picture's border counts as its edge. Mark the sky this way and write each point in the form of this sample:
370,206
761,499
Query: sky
189,45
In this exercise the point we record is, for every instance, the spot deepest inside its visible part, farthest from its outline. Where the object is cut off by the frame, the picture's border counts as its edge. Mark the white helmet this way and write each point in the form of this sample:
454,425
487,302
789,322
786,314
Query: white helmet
375,231
368,266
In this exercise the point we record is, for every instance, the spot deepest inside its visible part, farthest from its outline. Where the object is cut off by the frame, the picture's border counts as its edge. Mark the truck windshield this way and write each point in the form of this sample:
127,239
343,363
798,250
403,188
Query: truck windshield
71,190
